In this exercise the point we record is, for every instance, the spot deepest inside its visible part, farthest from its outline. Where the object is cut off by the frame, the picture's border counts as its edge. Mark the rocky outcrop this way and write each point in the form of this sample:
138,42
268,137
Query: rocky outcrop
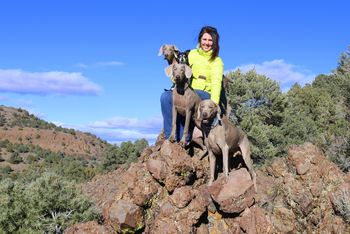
166,192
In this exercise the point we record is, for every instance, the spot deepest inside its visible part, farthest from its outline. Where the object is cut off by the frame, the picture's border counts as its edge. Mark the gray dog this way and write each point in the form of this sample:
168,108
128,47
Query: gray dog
169,53
185,99
222,137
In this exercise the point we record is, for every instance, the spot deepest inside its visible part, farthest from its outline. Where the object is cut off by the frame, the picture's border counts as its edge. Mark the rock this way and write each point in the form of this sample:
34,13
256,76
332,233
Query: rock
166,192
247,222
182,196
254,220
235,195
298,160
267,190
88,227
202,229
124,215
283,220
181,167
165,226
278,168
138,185
157,168
217,224
299,194
166,210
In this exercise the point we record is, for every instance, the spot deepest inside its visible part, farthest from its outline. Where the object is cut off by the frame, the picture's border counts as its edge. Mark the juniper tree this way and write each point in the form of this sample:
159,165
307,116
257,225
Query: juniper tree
257,107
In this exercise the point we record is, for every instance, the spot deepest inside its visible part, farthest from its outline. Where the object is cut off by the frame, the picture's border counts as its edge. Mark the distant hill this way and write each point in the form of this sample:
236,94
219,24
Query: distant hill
25,139
18,126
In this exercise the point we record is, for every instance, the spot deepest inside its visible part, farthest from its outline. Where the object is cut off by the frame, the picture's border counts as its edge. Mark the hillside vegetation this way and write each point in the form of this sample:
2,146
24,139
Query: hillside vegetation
41,165
318,113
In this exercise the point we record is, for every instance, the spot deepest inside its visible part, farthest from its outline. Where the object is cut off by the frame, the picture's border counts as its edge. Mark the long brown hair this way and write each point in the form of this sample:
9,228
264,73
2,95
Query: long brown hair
215,36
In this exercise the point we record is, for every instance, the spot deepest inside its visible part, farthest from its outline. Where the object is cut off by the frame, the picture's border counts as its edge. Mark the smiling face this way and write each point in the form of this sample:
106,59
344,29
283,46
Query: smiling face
206,42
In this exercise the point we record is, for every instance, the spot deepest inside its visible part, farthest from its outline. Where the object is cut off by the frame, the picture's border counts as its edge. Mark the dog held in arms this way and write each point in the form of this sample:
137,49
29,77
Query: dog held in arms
221,137
182,57
185,99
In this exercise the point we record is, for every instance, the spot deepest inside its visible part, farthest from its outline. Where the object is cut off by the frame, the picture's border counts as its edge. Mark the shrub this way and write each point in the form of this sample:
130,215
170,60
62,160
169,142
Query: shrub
15,158
5,170
342,204
45,205
31,158
127,152
257,107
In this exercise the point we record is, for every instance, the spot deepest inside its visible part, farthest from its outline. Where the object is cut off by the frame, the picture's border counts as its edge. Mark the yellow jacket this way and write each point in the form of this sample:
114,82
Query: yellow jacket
207,75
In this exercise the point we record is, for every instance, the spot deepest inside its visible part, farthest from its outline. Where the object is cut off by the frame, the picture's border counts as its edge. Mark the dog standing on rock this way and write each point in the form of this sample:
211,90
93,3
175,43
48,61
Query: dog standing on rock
221,137
185,99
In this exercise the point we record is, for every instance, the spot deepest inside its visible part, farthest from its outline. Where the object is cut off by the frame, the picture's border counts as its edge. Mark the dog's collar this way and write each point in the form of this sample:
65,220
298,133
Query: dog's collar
212,124
215,122
206,127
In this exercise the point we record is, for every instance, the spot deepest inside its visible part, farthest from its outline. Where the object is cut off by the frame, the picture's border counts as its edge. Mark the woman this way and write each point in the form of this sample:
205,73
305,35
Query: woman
207,71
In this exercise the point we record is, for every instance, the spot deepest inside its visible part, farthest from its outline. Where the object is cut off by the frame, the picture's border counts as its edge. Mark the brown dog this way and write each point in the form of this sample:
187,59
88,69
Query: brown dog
169,53
222,137
185,99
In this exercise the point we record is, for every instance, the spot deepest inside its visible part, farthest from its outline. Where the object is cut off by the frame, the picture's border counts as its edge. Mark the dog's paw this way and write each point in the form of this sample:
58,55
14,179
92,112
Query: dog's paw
183,144
226,179
201,156
172,138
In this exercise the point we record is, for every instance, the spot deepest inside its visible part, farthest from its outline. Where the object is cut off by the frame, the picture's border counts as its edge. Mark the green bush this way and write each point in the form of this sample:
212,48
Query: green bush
342,205
127,152
31,158
5,170
2,120
317,113
44,205
257,107
15,158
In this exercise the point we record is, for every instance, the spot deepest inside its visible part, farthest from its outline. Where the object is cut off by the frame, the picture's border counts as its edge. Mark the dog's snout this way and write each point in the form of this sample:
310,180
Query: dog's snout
204,114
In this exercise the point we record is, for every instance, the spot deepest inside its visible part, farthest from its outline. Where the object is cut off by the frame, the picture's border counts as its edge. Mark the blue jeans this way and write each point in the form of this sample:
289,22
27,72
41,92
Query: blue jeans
166,102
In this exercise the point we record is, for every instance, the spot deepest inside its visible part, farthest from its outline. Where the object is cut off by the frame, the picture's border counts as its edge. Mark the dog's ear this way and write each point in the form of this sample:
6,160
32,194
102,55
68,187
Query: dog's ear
188,72
175,48
199,112
176,54
218,112
169,70
161,50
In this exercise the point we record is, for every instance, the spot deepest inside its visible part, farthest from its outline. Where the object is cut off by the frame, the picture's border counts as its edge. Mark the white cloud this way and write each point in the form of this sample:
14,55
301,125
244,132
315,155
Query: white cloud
120,129
110,64
120,135
284,73
100,64
43,83
123,122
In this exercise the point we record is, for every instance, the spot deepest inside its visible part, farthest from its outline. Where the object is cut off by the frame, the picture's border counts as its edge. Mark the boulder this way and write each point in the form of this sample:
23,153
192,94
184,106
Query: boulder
124,215
236,194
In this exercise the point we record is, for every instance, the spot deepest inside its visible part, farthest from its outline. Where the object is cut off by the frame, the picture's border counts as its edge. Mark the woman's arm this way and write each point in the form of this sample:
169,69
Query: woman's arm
217,71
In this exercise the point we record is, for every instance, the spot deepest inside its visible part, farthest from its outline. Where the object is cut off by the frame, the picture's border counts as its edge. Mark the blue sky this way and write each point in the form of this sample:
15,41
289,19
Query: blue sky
93,65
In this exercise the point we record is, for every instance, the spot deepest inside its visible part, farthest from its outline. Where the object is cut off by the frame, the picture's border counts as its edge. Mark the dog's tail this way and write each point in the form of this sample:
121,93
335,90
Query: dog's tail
245,149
